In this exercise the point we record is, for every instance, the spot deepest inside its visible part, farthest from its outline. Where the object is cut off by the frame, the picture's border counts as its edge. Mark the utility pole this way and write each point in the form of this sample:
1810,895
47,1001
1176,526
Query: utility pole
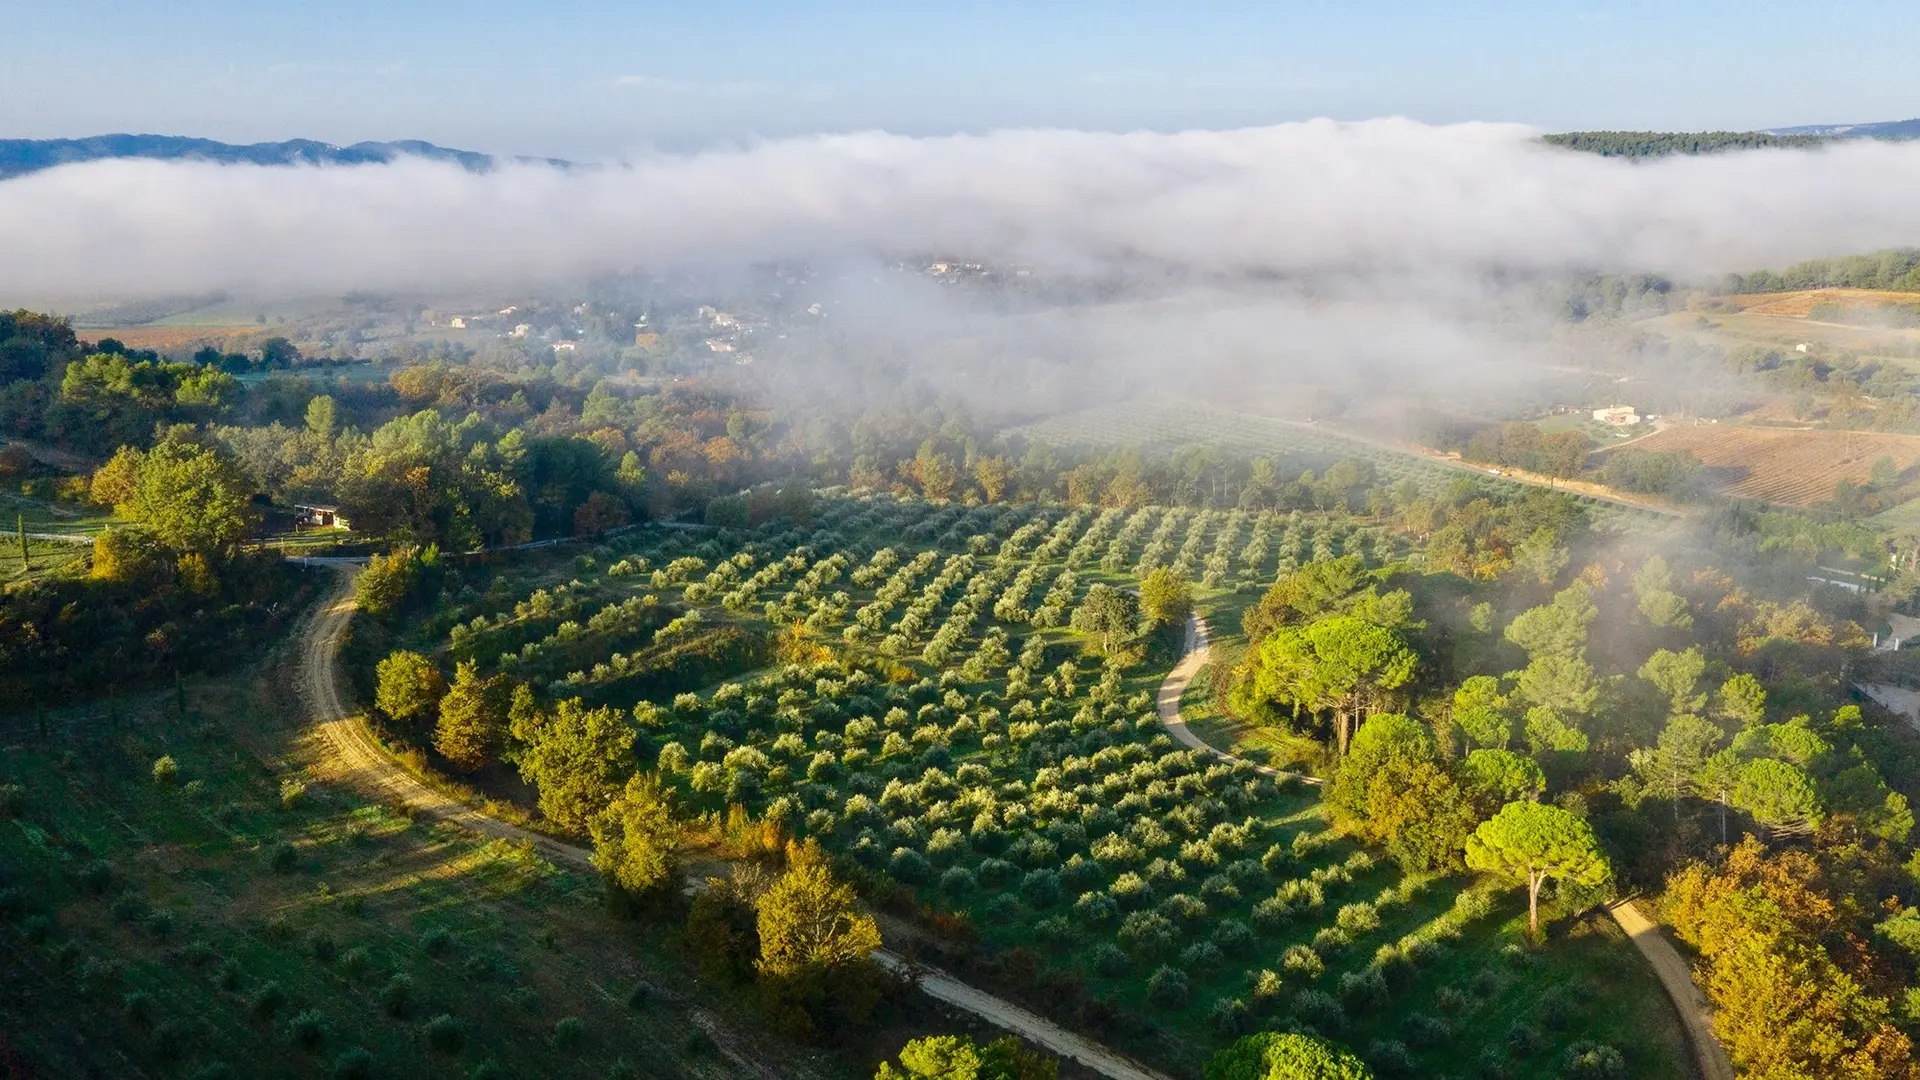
20,529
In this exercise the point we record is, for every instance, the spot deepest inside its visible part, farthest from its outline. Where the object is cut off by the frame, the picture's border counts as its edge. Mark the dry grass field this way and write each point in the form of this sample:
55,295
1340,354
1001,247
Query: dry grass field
173,338
1800,304
1792,466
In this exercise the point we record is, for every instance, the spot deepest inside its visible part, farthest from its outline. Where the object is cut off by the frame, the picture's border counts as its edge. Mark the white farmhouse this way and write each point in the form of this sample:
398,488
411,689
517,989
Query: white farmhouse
1617,416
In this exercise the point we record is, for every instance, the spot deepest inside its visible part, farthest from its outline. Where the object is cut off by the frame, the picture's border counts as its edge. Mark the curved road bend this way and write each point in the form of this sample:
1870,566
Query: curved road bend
1696,1017
365,762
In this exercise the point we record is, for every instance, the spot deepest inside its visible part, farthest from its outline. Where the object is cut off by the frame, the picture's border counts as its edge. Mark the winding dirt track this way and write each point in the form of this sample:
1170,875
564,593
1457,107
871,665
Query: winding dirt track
1696,1017
365,763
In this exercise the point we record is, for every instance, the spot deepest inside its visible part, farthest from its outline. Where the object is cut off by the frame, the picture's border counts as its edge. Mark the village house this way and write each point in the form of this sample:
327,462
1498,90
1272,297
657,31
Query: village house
1617,416
319,516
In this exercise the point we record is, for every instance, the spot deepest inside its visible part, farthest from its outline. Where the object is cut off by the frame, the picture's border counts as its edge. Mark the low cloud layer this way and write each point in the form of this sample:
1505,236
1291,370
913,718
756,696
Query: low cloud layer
1386,197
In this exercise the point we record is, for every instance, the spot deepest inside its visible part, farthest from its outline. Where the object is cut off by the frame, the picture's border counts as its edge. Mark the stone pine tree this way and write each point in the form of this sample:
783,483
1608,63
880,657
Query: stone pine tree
1531,842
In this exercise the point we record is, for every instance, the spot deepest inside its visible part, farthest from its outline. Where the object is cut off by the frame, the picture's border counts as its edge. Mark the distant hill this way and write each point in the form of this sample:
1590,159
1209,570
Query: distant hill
1885,129
21,156
1650,144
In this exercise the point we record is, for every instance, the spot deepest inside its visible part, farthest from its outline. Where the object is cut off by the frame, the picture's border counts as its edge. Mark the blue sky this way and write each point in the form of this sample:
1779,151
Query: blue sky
595,80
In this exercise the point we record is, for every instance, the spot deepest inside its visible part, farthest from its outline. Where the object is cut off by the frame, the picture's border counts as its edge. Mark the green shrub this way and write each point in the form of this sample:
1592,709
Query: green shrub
160,924
1426,1031
569,1032
13,798
166,771
197,953
1358,918
396,998
1303,961
266,1001
1109,959
172,1038
1201,956
1524,1039
308,1029
1228,1017
228,977
127,907
640,996
322,947
445,1035
1319,1010
356,962
354,1064
1389,1057
1592,1061
1168,987
436,941
1362,991
139,1007
283,857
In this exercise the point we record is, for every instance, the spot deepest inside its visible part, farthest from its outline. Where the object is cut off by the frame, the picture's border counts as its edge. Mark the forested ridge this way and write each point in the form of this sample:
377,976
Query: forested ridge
1654,144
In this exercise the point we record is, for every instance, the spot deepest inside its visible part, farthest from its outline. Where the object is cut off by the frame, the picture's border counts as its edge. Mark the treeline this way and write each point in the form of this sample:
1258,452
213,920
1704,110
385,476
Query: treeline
1517,444
1894,269
1652,144
1643,717
170,591
1632,295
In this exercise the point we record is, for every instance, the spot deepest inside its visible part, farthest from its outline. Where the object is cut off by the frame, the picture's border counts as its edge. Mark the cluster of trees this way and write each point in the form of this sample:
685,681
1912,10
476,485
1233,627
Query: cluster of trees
1892,269
1675,473
1518,444
1687,730
167,590
1808,955
1653,144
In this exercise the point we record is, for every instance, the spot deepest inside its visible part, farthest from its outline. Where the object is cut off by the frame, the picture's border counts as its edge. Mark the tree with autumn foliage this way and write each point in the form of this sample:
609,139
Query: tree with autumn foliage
816,970
1766,926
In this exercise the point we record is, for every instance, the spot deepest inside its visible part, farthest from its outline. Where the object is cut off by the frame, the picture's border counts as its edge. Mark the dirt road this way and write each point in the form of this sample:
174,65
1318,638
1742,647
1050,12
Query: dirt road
366,764
362,759
1675,975
1175,687
1696,1018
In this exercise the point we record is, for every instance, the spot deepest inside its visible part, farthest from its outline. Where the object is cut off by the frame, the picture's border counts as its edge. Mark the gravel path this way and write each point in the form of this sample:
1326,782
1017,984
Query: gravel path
1676,977
1175,687
364,761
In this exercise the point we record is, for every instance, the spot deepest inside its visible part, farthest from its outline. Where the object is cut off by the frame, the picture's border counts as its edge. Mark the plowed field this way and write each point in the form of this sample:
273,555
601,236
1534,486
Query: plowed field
1793,466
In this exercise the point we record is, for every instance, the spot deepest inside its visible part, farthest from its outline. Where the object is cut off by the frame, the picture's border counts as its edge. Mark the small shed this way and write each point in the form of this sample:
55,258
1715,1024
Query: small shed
319,516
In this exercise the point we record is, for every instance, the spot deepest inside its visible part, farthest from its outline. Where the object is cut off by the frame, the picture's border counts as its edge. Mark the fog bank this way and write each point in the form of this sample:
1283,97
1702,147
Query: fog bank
1385,197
